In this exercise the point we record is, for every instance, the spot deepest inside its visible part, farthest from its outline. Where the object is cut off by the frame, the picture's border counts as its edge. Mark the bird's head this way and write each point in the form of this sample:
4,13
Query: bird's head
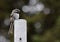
15,13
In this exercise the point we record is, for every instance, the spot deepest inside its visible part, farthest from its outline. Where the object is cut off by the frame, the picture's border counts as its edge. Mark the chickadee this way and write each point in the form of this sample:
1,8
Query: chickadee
15,13
14,16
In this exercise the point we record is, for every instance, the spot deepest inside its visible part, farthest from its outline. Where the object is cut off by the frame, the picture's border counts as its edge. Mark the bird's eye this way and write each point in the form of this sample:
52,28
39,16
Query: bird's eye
17,12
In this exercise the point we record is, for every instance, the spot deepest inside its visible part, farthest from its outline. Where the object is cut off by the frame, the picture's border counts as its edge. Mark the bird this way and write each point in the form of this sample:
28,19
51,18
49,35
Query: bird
14,16
15,13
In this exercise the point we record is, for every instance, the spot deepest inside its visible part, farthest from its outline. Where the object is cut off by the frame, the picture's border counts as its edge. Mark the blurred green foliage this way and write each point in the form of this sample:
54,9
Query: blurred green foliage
50,23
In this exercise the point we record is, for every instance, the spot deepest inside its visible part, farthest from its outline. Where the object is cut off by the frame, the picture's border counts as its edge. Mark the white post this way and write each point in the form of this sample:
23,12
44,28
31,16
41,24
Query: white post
20,30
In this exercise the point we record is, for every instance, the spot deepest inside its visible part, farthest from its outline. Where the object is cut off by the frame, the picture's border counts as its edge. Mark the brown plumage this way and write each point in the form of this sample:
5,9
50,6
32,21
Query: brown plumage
14,15
10,32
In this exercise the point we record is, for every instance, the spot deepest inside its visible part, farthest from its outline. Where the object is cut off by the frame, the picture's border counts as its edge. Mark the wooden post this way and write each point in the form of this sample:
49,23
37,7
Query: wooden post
20,30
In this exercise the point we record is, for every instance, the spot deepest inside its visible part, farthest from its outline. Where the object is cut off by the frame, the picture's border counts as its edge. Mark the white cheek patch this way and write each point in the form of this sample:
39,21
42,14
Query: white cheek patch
20,30
16,15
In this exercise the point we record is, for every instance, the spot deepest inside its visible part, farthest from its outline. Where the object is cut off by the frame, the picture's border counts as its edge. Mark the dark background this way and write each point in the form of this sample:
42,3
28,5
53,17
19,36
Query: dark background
42,27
